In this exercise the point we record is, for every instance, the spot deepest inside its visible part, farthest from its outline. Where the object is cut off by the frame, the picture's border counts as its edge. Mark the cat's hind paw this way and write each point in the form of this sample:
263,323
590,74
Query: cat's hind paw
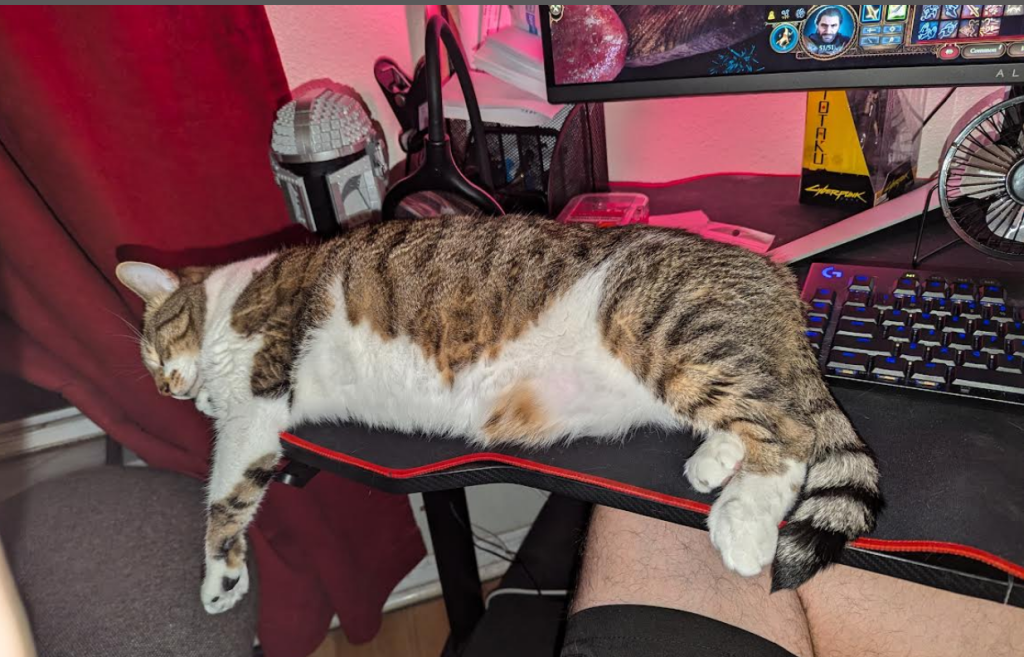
714,462
223,587
743,534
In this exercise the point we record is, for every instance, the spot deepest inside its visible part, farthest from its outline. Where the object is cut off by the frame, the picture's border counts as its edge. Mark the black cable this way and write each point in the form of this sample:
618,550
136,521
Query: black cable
510,560
438,171
934,111
499,545
513,561
949,94
915,260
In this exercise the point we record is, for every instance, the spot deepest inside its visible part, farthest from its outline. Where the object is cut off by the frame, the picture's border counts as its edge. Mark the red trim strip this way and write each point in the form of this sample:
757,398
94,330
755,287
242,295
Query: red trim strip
881,545
491,457
940,547
702,176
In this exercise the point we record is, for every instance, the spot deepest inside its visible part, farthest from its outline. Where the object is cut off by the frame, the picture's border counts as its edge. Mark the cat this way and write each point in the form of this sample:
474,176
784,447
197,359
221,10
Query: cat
517,330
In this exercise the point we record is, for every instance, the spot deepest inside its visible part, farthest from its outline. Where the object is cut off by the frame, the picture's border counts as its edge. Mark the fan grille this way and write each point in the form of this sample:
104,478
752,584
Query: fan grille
981,185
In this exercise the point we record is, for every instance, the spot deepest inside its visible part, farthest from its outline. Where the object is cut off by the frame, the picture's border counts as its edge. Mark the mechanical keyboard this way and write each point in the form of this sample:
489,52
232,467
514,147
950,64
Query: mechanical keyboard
918,329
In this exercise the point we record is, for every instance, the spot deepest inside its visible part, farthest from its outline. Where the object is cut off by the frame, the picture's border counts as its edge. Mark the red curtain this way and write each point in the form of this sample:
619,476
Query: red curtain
142,132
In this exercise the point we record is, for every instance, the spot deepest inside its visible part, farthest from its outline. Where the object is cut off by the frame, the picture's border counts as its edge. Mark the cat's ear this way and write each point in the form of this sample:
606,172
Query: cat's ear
148,281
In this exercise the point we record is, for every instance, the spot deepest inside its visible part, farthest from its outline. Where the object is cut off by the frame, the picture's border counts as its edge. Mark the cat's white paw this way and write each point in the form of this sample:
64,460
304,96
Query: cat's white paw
714,462
203,403
744,535
223,587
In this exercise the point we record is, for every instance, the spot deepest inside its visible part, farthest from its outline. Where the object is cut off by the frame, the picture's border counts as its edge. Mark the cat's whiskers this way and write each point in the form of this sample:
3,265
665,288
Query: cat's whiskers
131,327
135,339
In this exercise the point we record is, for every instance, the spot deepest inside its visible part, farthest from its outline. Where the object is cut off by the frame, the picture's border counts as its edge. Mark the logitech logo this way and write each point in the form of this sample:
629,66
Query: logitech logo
831,272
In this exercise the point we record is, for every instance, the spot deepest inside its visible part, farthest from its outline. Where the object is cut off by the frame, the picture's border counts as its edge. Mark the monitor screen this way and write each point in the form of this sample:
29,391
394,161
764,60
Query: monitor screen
608,52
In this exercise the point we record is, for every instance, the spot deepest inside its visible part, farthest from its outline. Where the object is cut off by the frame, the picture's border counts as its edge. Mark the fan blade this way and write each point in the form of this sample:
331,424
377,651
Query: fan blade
978,181
1014,232
999,155
976,173
979,161
998,214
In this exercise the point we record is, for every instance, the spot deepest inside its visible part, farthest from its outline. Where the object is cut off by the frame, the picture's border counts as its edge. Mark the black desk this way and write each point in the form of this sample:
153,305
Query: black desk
952,472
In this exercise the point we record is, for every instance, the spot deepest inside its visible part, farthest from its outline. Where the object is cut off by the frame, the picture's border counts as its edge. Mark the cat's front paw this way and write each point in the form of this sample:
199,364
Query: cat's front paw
714,462
223,587
743,534
204,404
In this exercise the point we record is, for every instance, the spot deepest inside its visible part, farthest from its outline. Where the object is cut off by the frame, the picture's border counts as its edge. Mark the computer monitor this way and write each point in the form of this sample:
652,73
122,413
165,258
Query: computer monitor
611,52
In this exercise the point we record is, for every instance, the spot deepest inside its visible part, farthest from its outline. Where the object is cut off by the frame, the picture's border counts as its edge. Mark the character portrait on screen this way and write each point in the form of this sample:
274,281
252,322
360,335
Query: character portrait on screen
828,31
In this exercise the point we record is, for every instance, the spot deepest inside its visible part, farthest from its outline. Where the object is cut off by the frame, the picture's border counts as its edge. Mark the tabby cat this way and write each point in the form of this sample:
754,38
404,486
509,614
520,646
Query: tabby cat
517,330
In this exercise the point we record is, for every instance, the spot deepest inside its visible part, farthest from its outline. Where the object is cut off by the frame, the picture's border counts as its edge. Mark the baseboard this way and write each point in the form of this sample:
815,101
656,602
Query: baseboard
45,431
422,583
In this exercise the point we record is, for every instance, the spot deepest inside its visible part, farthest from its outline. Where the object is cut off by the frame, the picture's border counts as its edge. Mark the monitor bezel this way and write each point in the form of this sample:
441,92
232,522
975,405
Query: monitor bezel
950,75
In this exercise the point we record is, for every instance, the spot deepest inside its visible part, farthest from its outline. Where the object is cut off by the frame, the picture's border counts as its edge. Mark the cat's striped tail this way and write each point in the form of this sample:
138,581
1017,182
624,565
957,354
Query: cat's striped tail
840,499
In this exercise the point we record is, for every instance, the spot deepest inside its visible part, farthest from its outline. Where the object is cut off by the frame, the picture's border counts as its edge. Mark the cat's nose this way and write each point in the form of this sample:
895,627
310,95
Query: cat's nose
165,388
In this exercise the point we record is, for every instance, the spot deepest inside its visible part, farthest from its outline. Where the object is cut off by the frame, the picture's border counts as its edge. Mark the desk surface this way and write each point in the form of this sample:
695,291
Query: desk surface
951,472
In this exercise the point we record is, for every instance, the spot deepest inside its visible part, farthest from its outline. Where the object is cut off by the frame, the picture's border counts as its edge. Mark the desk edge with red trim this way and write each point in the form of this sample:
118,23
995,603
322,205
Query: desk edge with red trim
951,566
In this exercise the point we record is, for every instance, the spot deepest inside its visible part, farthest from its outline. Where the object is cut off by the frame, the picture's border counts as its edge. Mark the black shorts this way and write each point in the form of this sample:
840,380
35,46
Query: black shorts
638,631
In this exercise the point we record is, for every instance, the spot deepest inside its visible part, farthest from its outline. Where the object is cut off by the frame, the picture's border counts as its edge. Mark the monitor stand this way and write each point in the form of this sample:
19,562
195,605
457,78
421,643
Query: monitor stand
890,213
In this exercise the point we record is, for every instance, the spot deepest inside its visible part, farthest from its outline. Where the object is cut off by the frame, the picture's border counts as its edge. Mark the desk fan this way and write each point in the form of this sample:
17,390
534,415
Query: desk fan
981,181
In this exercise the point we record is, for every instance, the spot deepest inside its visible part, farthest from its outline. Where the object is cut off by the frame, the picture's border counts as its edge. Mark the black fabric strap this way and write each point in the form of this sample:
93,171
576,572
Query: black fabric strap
635,630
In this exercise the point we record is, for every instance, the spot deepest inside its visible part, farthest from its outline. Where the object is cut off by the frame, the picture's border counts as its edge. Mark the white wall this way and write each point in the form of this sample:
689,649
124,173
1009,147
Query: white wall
647,140
963,106
342,43
672,138
652,140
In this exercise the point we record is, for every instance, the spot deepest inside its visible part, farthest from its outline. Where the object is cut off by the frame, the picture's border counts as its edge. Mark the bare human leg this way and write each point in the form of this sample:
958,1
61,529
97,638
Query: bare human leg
633,560
855,612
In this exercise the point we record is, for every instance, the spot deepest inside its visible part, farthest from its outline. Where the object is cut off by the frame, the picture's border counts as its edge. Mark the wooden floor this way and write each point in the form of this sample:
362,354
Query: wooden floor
418,631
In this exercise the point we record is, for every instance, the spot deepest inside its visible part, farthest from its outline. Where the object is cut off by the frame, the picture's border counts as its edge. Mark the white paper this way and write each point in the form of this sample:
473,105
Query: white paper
698,223
499,102
516,57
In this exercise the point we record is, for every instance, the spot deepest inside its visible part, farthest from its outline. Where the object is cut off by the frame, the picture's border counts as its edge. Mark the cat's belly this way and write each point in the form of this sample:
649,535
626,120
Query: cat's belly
574,385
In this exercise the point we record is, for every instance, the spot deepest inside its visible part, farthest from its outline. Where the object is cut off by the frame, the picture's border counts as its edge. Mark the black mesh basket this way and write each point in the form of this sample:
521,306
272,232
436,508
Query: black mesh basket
539,169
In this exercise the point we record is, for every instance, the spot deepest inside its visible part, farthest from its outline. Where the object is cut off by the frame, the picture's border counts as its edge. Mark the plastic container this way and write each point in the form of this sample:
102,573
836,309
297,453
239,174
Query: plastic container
607,209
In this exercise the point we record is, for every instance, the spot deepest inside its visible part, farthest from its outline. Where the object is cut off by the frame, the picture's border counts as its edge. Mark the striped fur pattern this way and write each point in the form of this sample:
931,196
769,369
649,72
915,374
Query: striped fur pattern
519,330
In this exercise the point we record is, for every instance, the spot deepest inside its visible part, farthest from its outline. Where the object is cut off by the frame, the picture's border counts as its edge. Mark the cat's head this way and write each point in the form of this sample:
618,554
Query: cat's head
172,328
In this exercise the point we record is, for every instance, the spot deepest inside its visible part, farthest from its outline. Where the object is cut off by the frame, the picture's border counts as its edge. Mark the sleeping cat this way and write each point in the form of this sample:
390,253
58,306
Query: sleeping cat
517,330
